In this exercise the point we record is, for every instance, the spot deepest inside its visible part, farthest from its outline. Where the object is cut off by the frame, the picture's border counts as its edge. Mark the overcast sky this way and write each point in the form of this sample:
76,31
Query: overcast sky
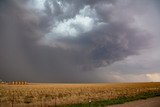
80,40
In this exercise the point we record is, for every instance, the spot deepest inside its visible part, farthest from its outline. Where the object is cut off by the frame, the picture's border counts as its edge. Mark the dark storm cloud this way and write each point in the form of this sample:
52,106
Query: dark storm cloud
110,36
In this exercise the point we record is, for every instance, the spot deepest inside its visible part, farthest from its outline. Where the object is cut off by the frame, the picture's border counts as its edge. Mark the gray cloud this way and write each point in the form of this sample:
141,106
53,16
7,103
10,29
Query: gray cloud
63,40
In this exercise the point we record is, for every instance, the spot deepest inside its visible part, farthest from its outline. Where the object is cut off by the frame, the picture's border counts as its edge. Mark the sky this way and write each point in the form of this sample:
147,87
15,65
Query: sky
77,41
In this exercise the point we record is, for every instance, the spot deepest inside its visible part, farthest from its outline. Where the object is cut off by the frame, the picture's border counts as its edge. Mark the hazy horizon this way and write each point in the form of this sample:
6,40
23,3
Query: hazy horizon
80,41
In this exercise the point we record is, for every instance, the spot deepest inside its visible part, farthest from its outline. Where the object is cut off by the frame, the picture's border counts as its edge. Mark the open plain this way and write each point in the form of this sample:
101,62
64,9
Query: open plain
45,94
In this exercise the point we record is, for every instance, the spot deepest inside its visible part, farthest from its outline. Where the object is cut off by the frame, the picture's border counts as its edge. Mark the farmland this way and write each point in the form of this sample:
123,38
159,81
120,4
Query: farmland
46,94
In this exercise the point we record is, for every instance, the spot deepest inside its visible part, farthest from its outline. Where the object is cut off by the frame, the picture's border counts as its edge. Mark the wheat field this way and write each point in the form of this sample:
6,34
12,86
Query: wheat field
46,94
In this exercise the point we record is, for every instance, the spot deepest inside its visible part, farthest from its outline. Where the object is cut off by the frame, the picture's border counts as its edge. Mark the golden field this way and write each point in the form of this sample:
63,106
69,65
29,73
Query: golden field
59,94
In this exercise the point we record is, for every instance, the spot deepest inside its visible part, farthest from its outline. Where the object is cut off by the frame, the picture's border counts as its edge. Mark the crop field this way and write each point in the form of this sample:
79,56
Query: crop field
45,95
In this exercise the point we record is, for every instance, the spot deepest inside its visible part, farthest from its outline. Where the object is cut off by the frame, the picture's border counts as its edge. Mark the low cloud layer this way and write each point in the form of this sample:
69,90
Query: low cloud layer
71,40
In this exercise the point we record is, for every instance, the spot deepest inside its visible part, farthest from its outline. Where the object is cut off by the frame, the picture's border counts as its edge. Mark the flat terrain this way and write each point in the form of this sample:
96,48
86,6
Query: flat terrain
62,94
150,102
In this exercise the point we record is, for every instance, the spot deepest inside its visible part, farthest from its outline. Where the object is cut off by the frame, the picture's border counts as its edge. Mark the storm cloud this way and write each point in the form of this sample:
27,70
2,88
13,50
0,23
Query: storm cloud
69,40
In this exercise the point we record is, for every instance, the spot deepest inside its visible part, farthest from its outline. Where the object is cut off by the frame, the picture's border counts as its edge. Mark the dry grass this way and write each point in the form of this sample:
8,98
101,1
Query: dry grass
57,94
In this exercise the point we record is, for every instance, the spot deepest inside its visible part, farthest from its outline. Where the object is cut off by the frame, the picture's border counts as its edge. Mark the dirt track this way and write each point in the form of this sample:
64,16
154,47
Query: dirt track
150,102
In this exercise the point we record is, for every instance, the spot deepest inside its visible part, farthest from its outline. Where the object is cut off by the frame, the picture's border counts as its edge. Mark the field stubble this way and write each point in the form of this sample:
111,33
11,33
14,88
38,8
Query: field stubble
60,94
